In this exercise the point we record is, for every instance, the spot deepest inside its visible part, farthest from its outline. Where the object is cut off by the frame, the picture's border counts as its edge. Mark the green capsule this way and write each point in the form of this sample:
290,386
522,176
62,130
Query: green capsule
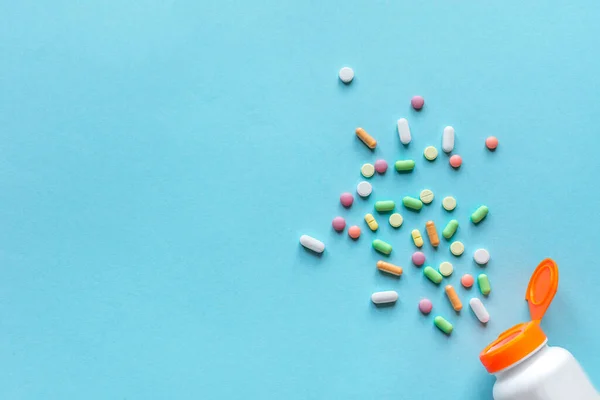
484,284
412,203
385,205
450,229
432,275
404,165
382,246
479,214
443,325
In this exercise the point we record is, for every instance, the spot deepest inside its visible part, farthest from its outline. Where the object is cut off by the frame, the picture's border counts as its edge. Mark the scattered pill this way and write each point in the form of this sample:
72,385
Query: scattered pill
449,203
389,296
412,203
457,248
491,143
481,256
338,224
381,166
404,165
346,74
425,306
366,138
364,189
484,284
443,325
448,139
450,229
312,244
446,269
367,170
453,297
432,233
418,258
417,238
396,220
455,161
370,220
389,268
430,153
382,247
479,310
426,196
479,214
467,280
384,205
354,232
404,131
417,102
346,199
432,275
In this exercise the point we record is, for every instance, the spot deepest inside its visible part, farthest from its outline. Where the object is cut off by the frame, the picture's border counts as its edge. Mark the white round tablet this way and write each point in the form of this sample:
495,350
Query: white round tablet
446,268
346,74
364,189
481,256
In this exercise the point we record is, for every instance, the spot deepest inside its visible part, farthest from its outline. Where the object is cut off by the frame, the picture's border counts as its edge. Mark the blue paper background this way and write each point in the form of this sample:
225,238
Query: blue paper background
160,159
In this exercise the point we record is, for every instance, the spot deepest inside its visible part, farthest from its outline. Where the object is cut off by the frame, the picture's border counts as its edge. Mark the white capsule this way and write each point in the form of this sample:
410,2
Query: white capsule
364,189
448,139
312,244
404,131
481,256
479,310
384,297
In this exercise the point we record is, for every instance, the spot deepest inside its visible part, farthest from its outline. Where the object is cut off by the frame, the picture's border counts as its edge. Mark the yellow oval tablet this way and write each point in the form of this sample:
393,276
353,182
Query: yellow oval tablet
396,220
417,238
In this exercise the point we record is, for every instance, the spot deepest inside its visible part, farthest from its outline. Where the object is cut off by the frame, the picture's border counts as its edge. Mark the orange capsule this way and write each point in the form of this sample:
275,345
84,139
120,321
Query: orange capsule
366,138
389,268
453,297
432,233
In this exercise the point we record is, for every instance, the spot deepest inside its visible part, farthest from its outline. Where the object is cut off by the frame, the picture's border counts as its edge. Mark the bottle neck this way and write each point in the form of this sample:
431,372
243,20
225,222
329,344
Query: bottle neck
523,362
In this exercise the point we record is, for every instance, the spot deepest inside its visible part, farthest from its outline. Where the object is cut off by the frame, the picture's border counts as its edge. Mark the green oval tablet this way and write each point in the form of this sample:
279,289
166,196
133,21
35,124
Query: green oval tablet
385,205
484,284
443,325
479,214
382,246
450,229
404,165
412,203
432,275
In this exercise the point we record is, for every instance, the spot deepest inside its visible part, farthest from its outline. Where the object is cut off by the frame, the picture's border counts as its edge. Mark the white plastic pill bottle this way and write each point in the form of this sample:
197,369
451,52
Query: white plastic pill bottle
526,368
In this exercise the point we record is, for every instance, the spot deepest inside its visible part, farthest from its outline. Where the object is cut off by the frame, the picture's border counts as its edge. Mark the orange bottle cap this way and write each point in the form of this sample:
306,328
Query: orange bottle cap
519,341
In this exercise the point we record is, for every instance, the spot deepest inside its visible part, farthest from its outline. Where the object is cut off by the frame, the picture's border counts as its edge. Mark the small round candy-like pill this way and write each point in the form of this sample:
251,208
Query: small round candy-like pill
396,220
381,166
418,258
346,199
448,139
453,297
425,306
346,74
412,203
443,325
491,143
467,280
384,205
417,102
312,244
364,189
404,131
417,238
446,269
354,232
370,220
457,248
479,310
455,161
382,247
426,196
338,224
389,268
404,165
389,296
450,229
481,256
367,139
449,203
432,275
367,170
432,234
484,284
430,153
479,214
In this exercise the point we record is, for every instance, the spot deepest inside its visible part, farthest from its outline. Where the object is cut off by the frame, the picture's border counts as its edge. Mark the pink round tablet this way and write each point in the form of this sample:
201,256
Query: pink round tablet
491,142
467,280
417,102
338,224
418,258
425,306
456,161
346,199
381,166
354,232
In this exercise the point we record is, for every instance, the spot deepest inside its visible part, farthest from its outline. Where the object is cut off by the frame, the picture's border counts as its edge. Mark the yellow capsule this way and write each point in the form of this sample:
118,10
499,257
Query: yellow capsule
370,220
416,235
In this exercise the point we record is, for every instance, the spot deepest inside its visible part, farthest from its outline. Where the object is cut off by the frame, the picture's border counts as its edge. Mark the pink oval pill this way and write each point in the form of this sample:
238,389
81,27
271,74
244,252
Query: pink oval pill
491,142
346,199
381,166
456,161
425,306
417,102
338,224
418,258
467,280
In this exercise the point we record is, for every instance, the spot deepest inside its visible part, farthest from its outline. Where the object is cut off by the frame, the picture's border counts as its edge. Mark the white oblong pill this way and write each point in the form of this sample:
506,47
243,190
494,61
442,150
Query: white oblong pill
448,139
479,310
364,189
384,297
346,74
481,256
404,131
312,244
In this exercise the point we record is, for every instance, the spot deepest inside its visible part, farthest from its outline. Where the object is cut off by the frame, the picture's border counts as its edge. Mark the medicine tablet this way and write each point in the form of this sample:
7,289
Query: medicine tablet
382,247
484,284
404,131
418,258
389,268
456,161
381,166
412,203
396,220
346,199
385,205
491,143
367,139
457,248
467,280
432,275
338,224
404,165
364,189
354,232
481,256
417,238
432,233
443,325
446,269
367,170
449,203
425,306
450,229
346,74
479,214
417,102
312,244
448,139
430,153
479,310
384,297
453,297
426,196
370,220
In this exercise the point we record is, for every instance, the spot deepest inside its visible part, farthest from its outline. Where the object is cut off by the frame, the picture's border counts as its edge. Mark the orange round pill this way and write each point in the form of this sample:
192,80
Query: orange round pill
354,232
491,143
455,161
467,280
